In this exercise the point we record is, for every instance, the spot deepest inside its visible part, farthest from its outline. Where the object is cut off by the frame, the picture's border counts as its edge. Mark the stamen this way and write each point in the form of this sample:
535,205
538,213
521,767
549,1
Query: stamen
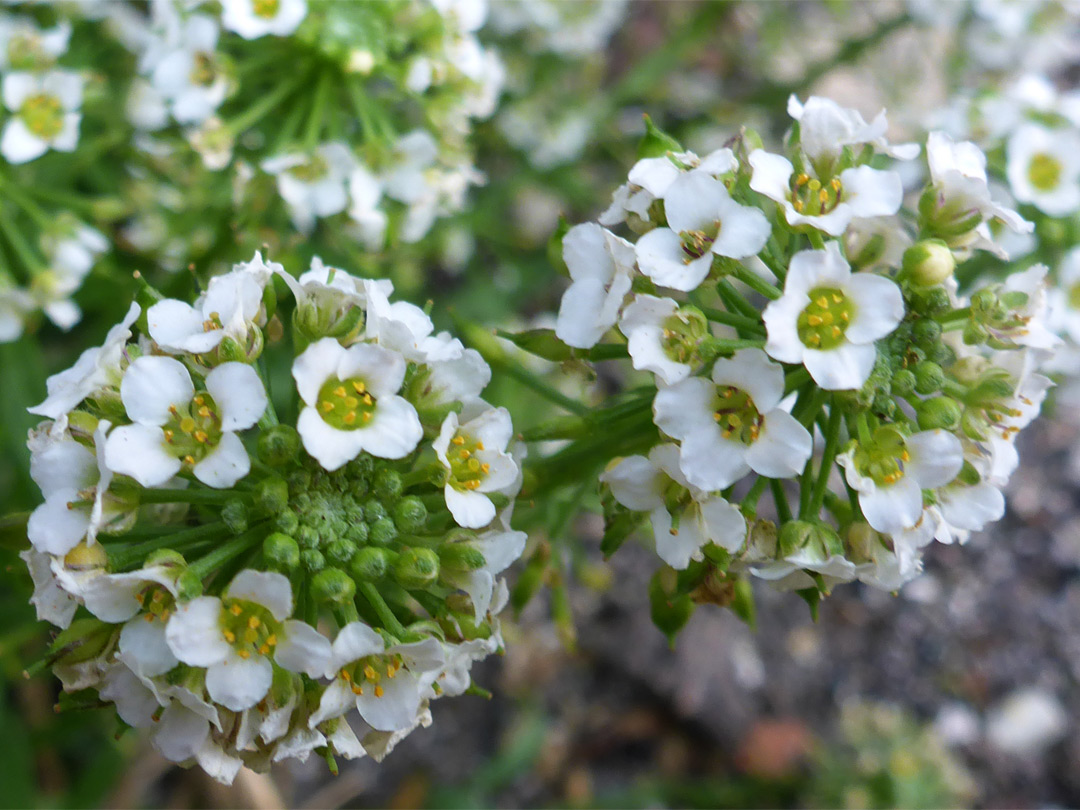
458,440
339,391
358,386
349,418
378,691
327,406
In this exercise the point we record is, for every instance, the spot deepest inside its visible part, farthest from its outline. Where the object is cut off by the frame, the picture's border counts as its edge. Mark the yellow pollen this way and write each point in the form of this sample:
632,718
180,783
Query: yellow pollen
822,302
339,391
230,636
201,437
245,654
464,453
905,455
366,416
169,435
370,673
823,196
802,179
345,674
236,610
717,416
357,689
727,433
264,649
459,440
358,387
253,622
172,410
187,424
837,298
472,484
368,400
378,691
391,670
349,418
837,331
844,316
729,393
814,340
150,616
271,639
351,402
204,412
814,320
479,445
189,459
199,400
165,614
835,183
485,468
157,597
327,406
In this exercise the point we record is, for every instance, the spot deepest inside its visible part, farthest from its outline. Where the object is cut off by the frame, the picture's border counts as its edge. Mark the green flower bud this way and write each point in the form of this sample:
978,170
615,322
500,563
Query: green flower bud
340,551
973,425
165,557
929,377
929,262
188,586
361,467
926,332
941,353
271,495
300,481
286,521
387,485
903,382
281,551
333,585
416,568
861,540
794,535
541,342
374,510
968,475
307,537
278,446
974,333
670,610
383,532
84,640
371,564
410,514
231,351
235,515
461,557
312,559
939,412
357,533
656,142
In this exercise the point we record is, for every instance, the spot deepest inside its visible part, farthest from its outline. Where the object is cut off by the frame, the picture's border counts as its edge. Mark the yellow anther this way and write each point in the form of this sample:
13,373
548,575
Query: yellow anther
169,435
485,468
797,204
150,616
729,392
339,391
272,639
464,453
835,183
838,298
357,689
351,402
905,455
823,196
358,387
345,674
230,636
667,334
370,673
727,433
802,179
204,412
844,316
264,649
349,418
190,459
472,484
199,400
187,424
157,597
165,614
814,320
253,622
717,416
378,691
814,340
368,400
327,406
837,331
366,416
458,440
236,610
201,436
822,302
245,654
391,670
172,410
479,445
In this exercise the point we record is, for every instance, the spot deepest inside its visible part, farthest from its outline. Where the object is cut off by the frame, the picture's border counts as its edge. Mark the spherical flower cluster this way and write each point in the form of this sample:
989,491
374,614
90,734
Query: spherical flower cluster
253,578
799,326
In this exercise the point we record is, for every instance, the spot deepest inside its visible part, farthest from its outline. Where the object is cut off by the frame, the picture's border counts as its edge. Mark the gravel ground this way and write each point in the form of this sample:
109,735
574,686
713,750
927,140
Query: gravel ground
994,618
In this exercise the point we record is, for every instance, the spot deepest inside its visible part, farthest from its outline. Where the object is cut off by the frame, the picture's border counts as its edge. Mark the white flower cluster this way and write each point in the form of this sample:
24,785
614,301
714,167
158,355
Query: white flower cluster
239,586
781,298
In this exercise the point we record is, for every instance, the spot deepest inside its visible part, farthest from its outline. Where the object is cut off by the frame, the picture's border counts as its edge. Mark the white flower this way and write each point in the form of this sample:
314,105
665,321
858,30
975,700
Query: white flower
95,370
1044,168
351,403
24,46
644,485
499,549
67,472
703,221
827,205
1034,330
653,328
825,128
73,248
231,304
365,193
600,265
15,304
177,426
315,185
476,462
45,114
237,637
252,19
828,318
650,178
51,601
385,684
733,423
892,472
1063,299
187,72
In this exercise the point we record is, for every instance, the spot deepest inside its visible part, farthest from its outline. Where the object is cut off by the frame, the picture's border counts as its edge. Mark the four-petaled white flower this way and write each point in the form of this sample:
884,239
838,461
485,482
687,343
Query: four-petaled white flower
828,318
684,517
657,339
476,462
1044,168
45,114
830,204
351,403
600,265
703,222
892,471
733,423
386,684
825,128
252,19
175,426
241,635
313,185
187,70
499,550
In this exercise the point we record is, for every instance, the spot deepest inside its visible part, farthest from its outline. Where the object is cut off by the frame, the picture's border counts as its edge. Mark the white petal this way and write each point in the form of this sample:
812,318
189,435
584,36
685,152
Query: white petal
135,703
711,462
337,700
225,464
237,683
140,451
315,366
655,175
752,371
817,268
177,326
355,641
782,448
846,367
18,144
770,174
397,708
382,369
194,632
578,323
500,549
781,319
936,458
332,448
56,529
302,648
266,588
152,385
62,464
180,733
693,201
872,193
239,393
144,649
894,507
586,255
636,483
972,507
878,307
661,257
394,430
471,510
685,408
743,231
678,548
724,523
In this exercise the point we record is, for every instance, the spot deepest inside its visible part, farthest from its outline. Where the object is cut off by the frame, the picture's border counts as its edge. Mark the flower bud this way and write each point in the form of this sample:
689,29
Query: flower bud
903,382
656,142
410,514
929,262
929,378
333,585
926,332
371,564
794,535
461,557
670,610
374,510
188,586
387,485
307,537
939,412
358,533
230,350
281,551
235,515
312,559
271,495
286,521
278,445
86,557
383,532
84,640
340,551
416,568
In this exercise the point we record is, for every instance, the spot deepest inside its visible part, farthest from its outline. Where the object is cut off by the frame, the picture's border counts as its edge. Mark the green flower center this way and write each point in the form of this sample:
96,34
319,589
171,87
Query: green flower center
680,336
821,325
25,53
369,672
157,603
1044,171
195,430
250,628
266,9
884,458
43,115
311,171
812,198
346,404
204,69
736,415
466,470
696,244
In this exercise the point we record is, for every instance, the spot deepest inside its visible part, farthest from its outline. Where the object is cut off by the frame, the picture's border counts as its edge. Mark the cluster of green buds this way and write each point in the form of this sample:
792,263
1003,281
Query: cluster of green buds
239,573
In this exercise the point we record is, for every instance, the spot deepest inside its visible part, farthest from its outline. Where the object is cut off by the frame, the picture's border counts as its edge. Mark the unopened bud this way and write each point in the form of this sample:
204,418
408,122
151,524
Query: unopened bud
271,495
461,557
903,382
939,412
410,514
340,551
235,516
86,557
416,568
929,262
281,551
371,564
333,585
929,377
278,445
382,532
670,610
387,485
655,142
312,559
84,640
794,535
188,586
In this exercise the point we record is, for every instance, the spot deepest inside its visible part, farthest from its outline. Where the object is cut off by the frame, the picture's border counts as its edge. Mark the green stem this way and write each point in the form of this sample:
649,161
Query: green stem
796,379
828,458
755,282
33,210
863,428
203,496
783,509
124,557
265,105
25,253
730,319
816,240
954,315
318,109
733,300
386,615
205,566
749,502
